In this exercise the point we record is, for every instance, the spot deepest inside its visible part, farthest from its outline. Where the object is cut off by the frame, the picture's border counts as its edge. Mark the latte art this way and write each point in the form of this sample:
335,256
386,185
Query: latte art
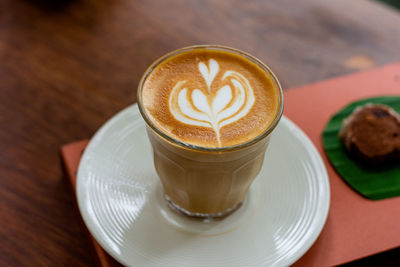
210,98
199,107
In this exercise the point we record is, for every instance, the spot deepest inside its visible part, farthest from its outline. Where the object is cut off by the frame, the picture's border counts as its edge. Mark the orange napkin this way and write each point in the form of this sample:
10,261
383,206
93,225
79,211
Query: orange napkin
356,227
71,155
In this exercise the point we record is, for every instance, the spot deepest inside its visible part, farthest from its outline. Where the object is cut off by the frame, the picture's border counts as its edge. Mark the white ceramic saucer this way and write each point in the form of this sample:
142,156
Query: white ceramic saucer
121,202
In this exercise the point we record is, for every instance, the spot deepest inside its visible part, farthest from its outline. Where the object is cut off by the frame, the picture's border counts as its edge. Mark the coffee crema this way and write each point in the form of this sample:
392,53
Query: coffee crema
210,98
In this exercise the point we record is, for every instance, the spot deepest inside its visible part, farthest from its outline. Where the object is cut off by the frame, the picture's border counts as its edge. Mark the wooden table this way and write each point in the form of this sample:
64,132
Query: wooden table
68,66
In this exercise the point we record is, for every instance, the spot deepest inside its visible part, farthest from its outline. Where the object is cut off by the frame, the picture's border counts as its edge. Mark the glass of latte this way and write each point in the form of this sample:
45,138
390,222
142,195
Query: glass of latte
209,111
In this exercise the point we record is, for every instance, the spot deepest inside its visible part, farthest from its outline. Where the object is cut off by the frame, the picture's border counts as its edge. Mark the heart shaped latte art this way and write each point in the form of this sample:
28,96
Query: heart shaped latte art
231,102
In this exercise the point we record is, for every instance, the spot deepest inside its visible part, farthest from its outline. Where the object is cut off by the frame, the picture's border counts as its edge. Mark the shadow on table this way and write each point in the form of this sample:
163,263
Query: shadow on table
392,3
389,258
51,5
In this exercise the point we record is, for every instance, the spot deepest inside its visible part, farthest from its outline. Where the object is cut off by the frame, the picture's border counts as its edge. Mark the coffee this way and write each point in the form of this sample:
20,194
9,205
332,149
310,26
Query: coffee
210,110
210,98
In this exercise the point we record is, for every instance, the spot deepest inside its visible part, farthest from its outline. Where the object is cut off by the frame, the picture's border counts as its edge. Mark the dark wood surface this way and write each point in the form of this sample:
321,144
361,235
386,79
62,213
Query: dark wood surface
68,66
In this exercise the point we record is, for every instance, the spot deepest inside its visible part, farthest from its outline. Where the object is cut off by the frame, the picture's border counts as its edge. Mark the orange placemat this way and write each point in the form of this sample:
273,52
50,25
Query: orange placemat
356,227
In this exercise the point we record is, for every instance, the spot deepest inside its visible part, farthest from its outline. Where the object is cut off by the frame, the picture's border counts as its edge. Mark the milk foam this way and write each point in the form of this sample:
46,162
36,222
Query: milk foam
209,73
229,104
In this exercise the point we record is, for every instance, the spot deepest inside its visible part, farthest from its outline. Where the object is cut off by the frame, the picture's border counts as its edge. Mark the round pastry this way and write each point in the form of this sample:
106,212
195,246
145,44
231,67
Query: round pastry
372,134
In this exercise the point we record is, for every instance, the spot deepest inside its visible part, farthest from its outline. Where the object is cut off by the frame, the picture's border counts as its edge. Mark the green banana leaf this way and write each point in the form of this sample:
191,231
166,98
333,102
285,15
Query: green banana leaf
373,183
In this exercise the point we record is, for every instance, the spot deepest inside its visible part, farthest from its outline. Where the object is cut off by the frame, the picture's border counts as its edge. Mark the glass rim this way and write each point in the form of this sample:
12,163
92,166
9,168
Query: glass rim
204,148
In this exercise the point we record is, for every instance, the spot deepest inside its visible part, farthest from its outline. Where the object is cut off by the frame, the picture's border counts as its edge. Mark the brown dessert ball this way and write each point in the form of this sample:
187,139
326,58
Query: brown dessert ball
372,134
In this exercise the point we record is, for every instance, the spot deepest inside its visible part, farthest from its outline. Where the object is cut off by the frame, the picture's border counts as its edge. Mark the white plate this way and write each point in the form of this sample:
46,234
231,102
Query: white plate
120,199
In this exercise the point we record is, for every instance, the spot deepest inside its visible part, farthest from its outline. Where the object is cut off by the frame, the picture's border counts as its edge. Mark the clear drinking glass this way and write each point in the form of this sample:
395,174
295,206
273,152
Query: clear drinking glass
207,182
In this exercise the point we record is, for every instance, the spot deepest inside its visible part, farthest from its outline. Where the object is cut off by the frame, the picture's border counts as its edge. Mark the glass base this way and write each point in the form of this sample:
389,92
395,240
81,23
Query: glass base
204,216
